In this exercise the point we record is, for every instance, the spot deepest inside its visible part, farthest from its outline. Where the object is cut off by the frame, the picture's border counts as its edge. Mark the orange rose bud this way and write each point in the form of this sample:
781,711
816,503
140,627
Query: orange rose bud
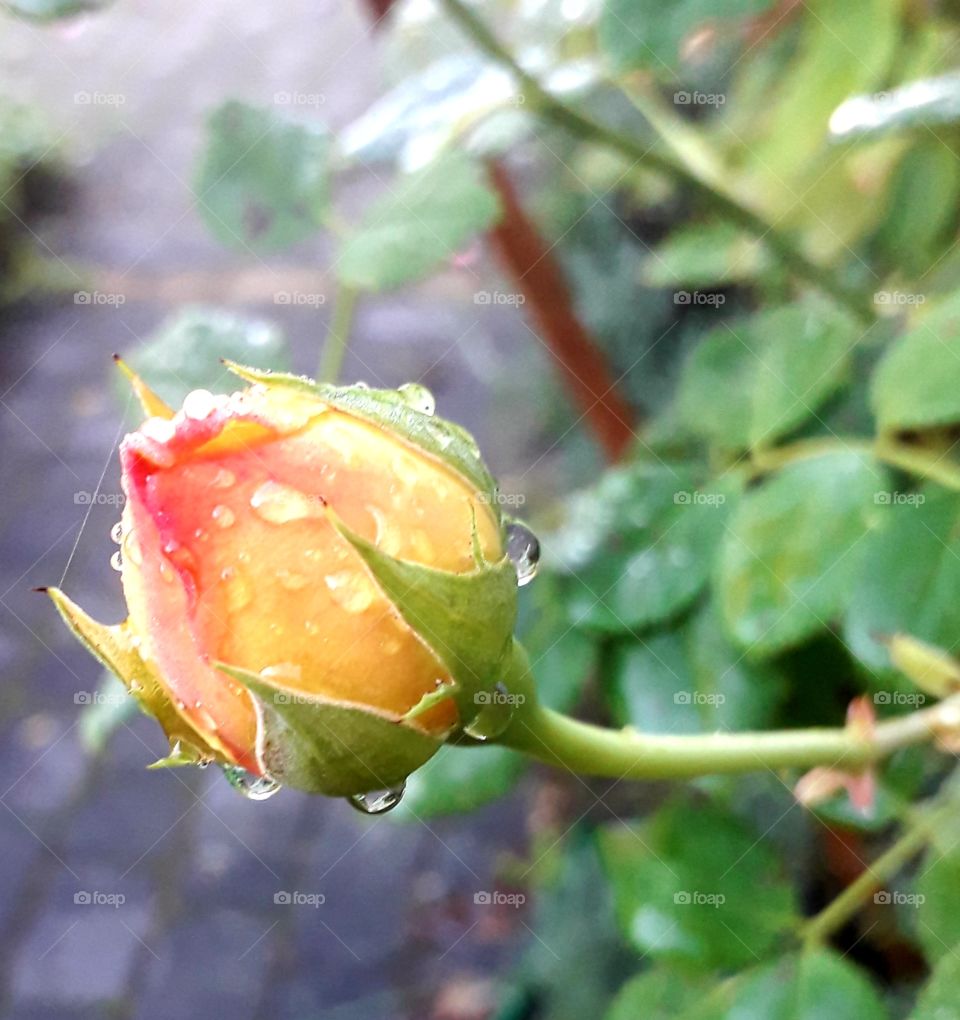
317,580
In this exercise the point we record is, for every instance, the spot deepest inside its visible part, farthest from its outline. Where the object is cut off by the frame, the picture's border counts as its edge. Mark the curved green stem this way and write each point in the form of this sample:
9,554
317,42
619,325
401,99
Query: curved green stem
925,464
338,336
848,903
567,117
627,754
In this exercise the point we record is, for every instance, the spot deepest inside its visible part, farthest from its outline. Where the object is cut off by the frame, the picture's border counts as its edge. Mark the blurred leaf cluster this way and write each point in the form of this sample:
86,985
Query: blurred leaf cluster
791,501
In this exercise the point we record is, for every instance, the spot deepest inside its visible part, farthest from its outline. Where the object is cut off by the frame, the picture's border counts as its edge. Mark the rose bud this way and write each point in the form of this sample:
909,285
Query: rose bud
317,581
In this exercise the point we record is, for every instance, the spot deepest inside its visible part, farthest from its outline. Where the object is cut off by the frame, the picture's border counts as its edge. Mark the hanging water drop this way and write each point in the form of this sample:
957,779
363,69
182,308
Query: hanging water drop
378,802
116,532
248,785
116,560
524,552
418,397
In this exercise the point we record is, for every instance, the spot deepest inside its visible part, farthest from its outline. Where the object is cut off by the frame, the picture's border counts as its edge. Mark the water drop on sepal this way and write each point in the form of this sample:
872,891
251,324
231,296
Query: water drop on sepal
248,785
523,549
377,802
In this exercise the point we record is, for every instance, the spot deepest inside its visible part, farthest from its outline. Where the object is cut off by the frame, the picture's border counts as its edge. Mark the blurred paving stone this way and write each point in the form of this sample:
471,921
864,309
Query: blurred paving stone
208,967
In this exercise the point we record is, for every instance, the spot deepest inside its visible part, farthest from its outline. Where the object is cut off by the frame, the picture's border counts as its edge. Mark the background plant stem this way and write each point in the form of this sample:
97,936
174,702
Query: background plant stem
565,116
338,336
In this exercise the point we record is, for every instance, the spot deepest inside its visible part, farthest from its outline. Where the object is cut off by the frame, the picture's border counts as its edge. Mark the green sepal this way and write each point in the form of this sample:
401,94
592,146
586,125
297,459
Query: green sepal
115,647
467,619
330,748
439,439
181,754
431,698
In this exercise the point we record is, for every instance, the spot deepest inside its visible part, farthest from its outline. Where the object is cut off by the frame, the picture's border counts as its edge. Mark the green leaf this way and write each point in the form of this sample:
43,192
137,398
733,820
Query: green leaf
939,911
794,547
263,180
639,546
807,986
426,217
663,994
917,383
466,619
938,997
704,256
645,34
187,351
117,648
748,384
334,749
50,10
459,779
909,578
693,884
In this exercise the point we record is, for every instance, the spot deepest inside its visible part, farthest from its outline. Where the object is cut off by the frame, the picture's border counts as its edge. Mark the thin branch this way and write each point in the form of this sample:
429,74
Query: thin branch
566,116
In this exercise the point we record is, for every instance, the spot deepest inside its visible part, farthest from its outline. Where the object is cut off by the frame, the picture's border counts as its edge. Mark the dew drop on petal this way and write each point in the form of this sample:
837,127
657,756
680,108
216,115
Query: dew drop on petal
248,785
280,504
311,627
418,397
131,549
167,572
160,430
223,479
116,561
199,404
351,590
237,587
116,532
282,671
524,552
292,581
388,537
223,516
378,802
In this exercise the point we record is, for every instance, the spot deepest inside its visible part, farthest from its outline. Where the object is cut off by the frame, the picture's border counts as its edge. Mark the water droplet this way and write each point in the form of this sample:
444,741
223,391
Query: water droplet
311,627
116,532
131,549
223,479
160,430
282,671
280,504
378,802
291,580
248,785
524,552
223,516
167,572
239,593
361,385
418,397
351,590
116,560
388,538
199,404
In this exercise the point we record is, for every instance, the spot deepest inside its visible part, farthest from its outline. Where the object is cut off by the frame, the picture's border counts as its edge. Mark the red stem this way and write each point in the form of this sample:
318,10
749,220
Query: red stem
528,260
